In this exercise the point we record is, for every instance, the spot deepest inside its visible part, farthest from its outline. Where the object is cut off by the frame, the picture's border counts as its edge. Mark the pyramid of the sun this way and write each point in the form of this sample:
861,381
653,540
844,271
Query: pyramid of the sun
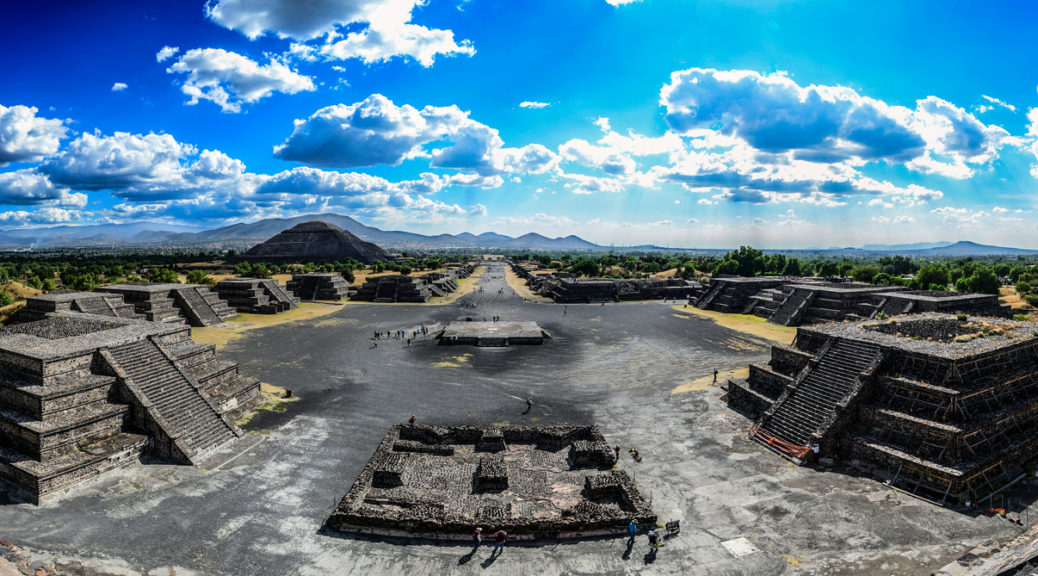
314,241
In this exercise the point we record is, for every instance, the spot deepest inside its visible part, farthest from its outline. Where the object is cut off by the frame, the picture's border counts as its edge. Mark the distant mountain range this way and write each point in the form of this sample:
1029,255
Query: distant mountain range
243,236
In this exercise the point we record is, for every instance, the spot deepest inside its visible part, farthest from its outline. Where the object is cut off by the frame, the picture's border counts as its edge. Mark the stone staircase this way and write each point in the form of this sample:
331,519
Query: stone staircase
285,300
707,298
793,307
100,305
172,402
893,307
804,414
195,308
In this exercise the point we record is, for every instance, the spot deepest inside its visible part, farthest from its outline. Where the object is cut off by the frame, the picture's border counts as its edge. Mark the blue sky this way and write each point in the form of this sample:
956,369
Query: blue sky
697,124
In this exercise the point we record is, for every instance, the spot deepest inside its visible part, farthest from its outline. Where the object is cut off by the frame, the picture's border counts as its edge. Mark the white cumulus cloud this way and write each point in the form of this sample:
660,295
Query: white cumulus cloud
141,167
365,29
533,104
119,87
28,188
376,131
228,79
38,217
817,123
25,137
166,53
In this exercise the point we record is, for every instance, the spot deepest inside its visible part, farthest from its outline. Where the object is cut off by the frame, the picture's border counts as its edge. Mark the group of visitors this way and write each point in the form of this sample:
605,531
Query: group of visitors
400,334
654,539
499,539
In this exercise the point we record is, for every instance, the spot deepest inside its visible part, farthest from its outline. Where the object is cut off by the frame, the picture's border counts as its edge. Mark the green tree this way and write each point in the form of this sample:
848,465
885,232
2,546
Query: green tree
792,268
243,269
932,274
199,277
983,281
1023,287
163,276
6,299
827,268
748,262
587,267
883,279
864,273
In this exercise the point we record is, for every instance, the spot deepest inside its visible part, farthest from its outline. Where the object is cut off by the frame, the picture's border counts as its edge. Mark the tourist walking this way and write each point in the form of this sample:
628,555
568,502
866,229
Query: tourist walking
617,450
411,421
499,541
715,375
632,531
653,541
477,537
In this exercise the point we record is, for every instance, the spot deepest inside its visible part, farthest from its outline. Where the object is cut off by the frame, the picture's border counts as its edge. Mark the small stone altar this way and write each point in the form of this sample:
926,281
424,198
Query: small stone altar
524,480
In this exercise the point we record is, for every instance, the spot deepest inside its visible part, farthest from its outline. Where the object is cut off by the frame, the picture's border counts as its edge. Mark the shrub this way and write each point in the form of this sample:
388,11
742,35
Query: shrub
199,277
163,276
1021,317
1023,287
961,316
6,299
865,273
932,274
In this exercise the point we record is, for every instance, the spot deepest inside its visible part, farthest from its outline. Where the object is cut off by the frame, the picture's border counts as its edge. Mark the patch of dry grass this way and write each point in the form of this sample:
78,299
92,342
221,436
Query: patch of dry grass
1008,295
745,323
519,285
20,291
708,381
233,329
272,399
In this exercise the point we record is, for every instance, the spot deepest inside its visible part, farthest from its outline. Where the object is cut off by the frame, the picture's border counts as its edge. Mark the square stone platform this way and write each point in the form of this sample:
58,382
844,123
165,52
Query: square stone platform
492,333
533,482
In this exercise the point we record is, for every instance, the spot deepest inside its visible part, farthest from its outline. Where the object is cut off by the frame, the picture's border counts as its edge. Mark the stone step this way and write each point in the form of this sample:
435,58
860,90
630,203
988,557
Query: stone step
187,414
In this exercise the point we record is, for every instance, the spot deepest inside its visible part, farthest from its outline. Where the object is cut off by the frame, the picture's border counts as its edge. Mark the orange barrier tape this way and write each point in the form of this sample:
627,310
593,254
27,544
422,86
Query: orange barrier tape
779,444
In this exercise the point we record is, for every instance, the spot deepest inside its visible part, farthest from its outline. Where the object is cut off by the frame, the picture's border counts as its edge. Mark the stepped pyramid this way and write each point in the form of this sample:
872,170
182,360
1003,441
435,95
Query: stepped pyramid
314,241
936,405
83,393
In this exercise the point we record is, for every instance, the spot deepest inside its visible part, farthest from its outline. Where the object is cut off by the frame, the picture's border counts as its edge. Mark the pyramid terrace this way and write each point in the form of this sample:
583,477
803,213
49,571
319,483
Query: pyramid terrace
81,394
942,406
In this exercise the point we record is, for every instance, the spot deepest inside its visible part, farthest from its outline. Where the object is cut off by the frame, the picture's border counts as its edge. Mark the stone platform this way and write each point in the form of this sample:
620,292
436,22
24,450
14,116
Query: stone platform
492,333
255,295
942,406
319,286
81,394
38,307
195,304
533,482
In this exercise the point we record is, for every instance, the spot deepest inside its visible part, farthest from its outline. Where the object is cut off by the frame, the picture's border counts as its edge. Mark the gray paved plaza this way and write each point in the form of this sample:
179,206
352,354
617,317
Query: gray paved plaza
260,507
